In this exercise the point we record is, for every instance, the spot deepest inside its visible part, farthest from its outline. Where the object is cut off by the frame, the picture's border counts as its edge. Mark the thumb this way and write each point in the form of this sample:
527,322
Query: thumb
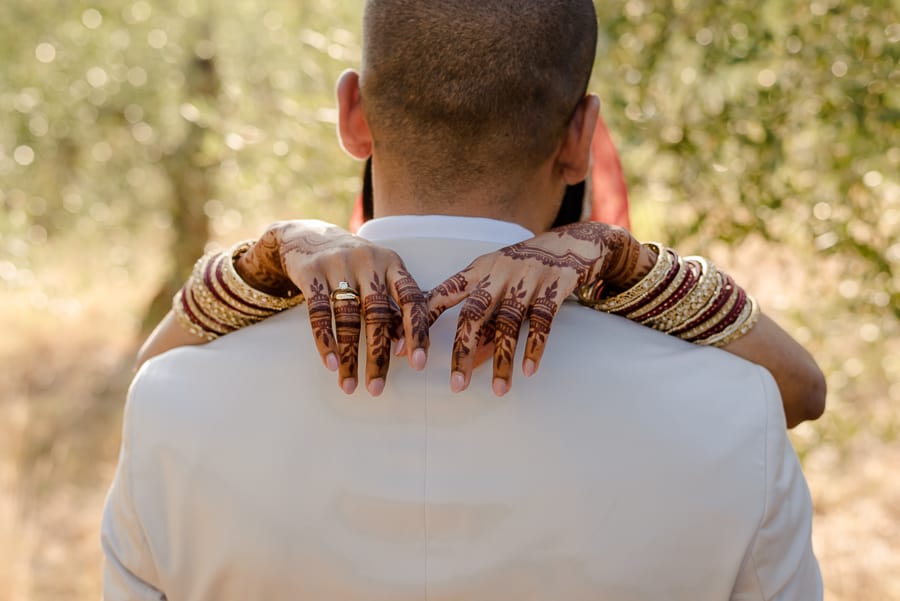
449,293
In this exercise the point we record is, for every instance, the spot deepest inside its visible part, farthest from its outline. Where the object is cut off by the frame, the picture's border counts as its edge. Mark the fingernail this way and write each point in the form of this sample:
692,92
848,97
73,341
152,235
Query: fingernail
457,381
376,386
348,385
331,361
418,359
500,387
528,368
401,344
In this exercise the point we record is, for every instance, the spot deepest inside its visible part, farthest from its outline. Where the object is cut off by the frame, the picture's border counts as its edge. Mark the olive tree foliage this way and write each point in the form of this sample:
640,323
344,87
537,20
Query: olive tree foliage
775,118
123,117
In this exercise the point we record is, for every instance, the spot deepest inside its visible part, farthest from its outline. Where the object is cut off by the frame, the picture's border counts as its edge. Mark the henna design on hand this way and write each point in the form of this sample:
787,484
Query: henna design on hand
568,260
449,287
619,267
313,243
380,323
261,268
409,293
617,252
319,307
636,268
347,327
508,320
474,309
540,318
586,232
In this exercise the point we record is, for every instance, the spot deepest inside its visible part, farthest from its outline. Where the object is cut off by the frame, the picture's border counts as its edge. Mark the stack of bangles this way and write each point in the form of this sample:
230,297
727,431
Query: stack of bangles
215,300
685,297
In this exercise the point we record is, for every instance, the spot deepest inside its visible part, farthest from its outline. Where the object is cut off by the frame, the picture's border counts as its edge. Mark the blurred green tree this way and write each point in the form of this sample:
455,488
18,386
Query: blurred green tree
773,118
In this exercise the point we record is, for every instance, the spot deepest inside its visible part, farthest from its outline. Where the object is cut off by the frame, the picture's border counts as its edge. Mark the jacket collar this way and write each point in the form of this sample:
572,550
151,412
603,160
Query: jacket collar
444,226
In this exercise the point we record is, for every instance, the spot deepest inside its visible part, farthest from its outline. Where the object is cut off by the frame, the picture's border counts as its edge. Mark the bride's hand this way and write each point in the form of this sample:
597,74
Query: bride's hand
498,291
350,279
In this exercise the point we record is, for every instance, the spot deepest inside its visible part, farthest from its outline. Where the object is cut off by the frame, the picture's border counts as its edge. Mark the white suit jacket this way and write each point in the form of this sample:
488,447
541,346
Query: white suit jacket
632,466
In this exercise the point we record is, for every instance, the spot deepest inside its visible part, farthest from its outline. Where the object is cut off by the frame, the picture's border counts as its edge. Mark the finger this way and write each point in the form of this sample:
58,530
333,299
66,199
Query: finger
318,304
347,320
448,293
540,319
378,314
507,321
411,300
473,315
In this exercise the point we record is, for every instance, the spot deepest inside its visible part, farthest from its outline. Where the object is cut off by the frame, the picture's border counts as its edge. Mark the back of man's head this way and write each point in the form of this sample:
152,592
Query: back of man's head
461,90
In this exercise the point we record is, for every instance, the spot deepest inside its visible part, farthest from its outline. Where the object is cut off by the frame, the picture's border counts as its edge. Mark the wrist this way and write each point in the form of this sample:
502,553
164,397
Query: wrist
645,257
622,260
260,267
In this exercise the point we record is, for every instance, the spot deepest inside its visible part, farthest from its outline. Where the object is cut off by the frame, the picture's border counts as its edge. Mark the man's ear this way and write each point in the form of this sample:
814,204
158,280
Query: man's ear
574,158
353,129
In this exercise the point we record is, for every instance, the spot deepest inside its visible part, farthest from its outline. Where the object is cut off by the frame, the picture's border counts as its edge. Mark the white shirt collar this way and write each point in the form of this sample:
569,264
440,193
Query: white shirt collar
444,226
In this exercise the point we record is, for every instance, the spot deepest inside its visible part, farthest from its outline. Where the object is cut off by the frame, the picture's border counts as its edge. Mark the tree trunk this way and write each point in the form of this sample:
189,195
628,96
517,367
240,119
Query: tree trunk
191,168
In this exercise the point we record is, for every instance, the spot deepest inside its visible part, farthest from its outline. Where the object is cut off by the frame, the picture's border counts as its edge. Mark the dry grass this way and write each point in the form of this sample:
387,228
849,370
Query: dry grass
66,361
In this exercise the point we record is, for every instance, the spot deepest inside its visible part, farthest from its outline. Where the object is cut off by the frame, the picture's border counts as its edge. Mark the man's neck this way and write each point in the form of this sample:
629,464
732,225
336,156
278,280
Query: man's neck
532,204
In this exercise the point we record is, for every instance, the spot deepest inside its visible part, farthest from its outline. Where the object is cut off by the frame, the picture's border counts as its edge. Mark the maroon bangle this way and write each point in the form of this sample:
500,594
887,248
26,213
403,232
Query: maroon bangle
686,286
728,320
211,288
220,328
646,299
725,293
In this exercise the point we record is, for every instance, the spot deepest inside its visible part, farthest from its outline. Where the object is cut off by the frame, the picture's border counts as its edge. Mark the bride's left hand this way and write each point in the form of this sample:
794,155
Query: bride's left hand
531,279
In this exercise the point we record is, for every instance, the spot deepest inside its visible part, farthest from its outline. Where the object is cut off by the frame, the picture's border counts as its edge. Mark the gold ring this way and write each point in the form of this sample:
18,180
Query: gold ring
344,292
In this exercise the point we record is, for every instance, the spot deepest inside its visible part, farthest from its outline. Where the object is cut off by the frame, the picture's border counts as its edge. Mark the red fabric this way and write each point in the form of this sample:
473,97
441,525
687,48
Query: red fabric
609,194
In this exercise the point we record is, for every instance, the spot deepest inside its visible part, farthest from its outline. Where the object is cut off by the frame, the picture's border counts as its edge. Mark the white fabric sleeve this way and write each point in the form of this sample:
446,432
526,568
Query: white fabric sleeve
129,572
780,564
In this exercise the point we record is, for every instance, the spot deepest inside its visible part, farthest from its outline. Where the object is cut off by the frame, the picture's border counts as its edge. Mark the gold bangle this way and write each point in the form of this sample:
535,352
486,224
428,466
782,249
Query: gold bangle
718,282
225,297
743,324
663,296
198,314
221,312
186,322
210,301
726,287
621,301
693,304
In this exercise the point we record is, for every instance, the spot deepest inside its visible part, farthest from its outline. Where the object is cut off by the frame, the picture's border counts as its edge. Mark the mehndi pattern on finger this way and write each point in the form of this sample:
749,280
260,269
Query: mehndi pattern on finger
540,318
508,321
379,316
409,294
449,287
319,306
473,310
347,320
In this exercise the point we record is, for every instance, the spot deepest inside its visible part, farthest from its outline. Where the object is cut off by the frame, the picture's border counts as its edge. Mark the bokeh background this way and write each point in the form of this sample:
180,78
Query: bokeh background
135,134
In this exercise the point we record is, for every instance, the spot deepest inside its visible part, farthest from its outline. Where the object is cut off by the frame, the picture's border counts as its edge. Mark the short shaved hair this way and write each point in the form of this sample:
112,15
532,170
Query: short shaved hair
461,90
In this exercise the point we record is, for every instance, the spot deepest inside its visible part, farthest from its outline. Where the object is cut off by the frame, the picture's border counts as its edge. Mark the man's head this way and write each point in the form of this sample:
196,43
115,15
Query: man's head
462,92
